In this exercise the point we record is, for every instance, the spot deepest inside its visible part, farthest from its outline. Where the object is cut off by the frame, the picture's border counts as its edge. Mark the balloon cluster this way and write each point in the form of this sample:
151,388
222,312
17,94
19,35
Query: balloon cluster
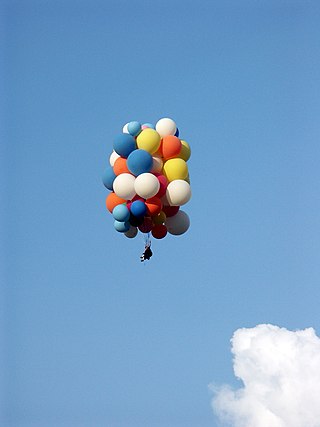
149,180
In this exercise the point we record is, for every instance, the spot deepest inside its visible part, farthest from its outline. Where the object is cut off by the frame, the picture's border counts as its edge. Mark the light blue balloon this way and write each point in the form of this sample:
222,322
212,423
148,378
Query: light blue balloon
134,128
121,226
108,177
121,213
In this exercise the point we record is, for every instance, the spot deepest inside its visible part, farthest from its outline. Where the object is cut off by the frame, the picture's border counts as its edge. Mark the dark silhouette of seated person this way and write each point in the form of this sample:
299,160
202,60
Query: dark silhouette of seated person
147,254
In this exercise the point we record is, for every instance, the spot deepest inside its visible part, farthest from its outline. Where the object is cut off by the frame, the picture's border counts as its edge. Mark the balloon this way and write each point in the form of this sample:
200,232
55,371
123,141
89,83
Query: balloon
157,164
139,161
178,192
134,128
138,208
146,185
159,231
159,218
170,146
132,232
113,200
164,200
123,144
158,153
147,125
136,197
149,179
121,213
121,226
153,205
120,166
146,226
123,186
163,185
134,221
170,210
178,224
148,140
113,157
108,177
175,169
185,151
166,127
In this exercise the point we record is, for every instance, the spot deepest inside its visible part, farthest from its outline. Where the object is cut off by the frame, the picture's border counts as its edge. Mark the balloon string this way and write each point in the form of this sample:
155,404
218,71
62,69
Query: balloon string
147,239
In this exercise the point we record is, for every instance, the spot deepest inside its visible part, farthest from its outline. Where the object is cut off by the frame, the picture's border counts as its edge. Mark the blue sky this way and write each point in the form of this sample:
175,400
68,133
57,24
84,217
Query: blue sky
91,337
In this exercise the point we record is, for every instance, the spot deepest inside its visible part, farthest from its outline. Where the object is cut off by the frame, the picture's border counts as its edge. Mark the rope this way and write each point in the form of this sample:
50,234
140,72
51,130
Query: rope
147,239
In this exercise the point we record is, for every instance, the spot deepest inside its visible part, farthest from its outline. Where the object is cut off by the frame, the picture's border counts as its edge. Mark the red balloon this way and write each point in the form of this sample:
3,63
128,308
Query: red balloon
170,210
159,231
163,184
146,226
136,197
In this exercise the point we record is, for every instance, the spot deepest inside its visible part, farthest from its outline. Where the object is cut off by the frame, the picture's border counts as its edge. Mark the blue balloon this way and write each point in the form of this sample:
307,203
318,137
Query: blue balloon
121,226
139,161
108,177
124,144
134,128
177,133
121,213
149,125
138,208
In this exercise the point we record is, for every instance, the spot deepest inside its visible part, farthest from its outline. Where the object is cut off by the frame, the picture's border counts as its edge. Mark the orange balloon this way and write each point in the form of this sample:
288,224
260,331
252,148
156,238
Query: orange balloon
113,200
171,146
120,166
154,206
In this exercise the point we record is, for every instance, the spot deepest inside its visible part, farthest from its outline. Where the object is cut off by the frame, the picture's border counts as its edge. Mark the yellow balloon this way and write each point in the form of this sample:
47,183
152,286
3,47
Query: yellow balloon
149,140
159,219
185,152
175,169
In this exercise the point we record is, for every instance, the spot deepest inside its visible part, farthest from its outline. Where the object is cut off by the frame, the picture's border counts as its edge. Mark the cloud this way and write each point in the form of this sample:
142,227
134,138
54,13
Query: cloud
280,372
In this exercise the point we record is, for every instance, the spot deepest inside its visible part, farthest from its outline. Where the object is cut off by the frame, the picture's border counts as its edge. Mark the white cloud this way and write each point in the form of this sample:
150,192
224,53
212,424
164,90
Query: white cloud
280,371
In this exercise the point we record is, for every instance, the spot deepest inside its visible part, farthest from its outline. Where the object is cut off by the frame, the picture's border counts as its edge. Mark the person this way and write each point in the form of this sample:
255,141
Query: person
147,254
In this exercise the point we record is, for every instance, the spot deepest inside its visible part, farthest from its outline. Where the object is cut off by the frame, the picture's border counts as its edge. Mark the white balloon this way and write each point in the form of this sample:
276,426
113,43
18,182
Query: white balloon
157,164
132,232
178,192
113,157
123,186
146,185
166,127
125,128
178,224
